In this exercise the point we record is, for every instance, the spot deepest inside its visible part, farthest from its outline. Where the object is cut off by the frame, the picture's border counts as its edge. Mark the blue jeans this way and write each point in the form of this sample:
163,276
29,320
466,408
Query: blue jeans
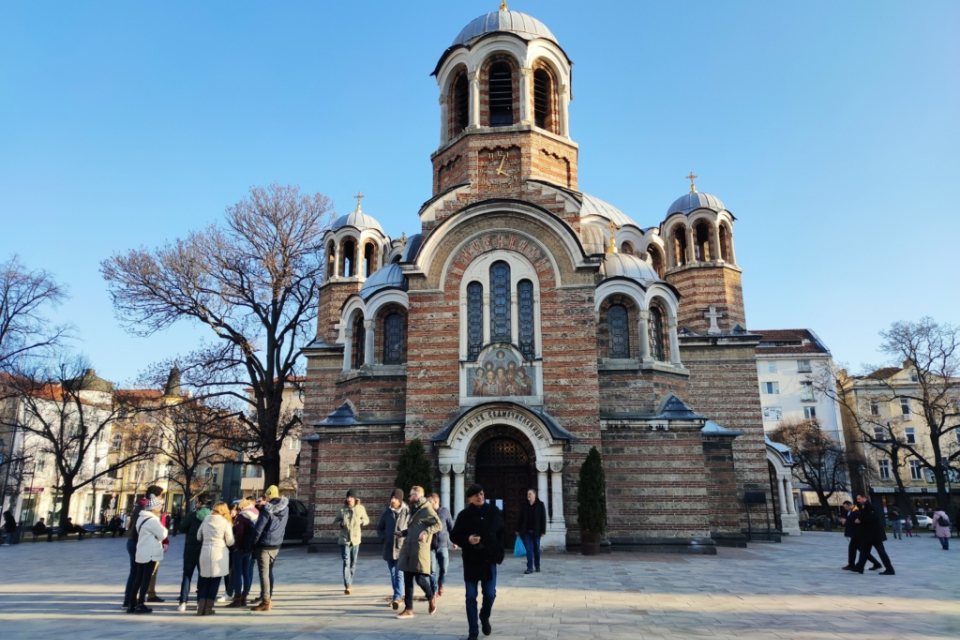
897,526
944,542
532,542
131,578
349,555
396,579
241,573
188,569
489,590
438,572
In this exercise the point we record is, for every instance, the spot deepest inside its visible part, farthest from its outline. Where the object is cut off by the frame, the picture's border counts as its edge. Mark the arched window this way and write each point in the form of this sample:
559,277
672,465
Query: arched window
656,334
724,243
500,95
542,98
474,320
680,245
702,234
369,259
525,311
359,342
619,332
656,259
461,103
500,302
627,248
349,256
393,329
331,261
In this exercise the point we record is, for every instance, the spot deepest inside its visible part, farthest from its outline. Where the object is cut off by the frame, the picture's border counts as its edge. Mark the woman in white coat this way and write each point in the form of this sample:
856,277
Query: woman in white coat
149,552
215,534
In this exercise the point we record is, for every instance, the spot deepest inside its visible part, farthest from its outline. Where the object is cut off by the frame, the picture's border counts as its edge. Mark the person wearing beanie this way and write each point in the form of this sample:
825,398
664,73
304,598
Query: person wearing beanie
132,538
479,531
394,519
150,537
267,539
351,517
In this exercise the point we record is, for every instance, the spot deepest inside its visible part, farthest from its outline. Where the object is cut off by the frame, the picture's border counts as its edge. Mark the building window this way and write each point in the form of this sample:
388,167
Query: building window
501,95
701,233
771,388
806,392
525,311
874,408
619,334
803,366
293,443
369,259
879,435
359,342
656,260
772,366
393,339
772,414
905,407
913,376
680,245
216,475
724,244
348,259
461,103
500,302
474,320
41,462
911,435
915,471
117,443
542,97
884,466
656,334
809,413
114,474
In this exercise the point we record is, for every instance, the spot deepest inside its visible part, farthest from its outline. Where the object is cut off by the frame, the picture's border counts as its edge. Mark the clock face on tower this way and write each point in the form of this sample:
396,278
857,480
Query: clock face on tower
499,167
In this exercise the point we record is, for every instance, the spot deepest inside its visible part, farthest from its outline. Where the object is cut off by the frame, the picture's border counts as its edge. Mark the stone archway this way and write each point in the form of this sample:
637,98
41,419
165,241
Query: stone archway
780,465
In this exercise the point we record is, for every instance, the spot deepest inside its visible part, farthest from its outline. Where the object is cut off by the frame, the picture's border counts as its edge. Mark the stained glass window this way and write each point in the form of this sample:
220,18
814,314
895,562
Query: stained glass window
500,302
656,334
474,320
618,331
393,339
359,342
525,310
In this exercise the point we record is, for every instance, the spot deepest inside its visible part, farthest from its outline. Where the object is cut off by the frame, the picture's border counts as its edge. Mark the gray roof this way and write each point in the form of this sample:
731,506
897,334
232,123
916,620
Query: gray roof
388,277
357,219
593,206
527,27
692,201
625,265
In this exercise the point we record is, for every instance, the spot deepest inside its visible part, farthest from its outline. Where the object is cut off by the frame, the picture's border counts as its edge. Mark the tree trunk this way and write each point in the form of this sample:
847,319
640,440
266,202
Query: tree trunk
66,495
271,470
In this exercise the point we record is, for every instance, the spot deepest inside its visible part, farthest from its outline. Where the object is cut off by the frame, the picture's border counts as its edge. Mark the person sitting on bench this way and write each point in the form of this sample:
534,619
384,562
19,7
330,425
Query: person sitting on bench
40,528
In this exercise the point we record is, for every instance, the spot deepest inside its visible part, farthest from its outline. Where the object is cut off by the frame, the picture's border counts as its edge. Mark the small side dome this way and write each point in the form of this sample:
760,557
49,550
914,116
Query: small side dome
412,247
527,27
357,219
696,200
388,277
625,265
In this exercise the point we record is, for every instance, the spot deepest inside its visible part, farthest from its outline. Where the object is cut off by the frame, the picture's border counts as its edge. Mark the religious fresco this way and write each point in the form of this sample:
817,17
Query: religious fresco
500,372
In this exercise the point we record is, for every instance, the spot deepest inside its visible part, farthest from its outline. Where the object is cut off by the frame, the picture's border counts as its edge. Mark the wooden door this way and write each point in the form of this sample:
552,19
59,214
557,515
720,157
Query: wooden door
504,471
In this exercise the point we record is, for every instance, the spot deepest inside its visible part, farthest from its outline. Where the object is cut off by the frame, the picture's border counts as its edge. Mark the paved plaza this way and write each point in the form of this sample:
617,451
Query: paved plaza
793,590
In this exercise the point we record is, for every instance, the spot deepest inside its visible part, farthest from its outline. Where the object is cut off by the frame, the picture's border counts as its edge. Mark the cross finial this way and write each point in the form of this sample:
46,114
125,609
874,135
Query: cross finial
613,237
359,197
503,5
691,178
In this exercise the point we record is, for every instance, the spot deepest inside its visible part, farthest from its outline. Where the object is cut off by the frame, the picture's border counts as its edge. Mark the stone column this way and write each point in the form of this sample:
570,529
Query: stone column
368,342
347,349
783,503
542,490
674,342
514,317
788,489
715,253
474,77
445,485
443,119
525,85
691,245
556,497
486,316
564,110
644,334
336,260
458,489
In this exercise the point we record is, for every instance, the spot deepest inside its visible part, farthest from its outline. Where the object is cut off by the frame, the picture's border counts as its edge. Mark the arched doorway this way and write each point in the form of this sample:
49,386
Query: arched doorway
505,471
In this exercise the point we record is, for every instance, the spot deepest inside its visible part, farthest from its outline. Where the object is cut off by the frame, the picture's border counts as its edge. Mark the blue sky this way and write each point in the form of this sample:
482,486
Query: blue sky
830,129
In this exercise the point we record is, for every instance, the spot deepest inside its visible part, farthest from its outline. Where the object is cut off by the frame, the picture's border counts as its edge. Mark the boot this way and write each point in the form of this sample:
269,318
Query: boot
263,606
201,606
210,605
238,601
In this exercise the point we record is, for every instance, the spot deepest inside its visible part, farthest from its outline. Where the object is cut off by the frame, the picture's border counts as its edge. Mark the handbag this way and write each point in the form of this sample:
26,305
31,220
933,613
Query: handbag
519,551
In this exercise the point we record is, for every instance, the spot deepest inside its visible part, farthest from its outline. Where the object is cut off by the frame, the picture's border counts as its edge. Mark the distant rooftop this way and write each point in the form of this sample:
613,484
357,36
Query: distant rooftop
788,341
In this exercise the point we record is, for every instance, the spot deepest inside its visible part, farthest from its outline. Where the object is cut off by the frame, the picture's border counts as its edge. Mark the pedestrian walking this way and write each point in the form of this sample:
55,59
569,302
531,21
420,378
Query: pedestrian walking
10,528
191,550
415,552
269,528
872,535
351,517
479,531
132,538
216,535
941,528
177,520
531,526
852,532
394,519
244,529
150,537
896,522
440,546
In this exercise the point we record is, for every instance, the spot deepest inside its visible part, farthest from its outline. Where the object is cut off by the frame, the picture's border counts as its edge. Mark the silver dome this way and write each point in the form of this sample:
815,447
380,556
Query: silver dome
388,277
625,265
691,201
593,206
527,27
357,219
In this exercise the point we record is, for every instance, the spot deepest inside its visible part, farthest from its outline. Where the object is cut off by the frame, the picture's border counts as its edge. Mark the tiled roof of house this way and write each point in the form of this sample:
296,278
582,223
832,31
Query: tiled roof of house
883,373
790,341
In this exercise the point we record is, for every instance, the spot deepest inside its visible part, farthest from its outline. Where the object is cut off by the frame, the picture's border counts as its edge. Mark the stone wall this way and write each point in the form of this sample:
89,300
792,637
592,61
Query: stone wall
702,285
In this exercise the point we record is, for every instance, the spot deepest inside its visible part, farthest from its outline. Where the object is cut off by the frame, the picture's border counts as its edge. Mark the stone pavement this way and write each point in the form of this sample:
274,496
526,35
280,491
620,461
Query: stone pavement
793,590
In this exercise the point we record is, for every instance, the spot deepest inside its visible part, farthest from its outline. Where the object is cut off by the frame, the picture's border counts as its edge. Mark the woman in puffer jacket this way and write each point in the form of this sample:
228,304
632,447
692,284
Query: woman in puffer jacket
149,552
216,534
243,533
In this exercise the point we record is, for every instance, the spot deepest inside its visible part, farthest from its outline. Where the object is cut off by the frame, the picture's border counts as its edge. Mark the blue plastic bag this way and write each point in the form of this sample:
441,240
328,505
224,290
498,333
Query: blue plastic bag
519,551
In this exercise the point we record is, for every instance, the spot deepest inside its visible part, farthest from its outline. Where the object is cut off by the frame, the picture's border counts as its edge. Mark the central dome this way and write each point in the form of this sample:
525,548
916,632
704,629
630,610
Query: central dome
527,27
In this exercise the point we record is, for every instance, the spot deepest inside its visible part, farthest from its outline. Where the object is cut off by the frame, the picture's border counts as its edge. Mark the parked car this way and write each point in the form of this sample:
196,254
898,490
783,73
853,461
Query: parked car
924,521
299,523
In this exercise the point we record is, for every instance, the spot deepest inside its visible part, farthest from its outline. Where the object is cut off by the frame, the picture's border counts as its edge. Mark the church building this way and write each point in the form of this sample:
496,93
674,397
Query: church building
522,322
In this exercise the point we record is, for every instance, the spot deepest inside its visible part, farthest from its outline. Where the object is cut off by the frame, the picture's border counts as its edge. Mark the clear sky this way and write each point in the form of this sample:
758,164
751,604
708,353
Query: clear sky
830,129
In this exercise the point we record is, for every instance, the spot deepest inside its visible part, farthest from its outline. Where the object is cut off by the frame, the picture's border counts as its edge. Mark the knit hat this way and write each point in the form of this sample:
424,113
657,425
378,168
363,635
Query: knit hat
352,493
153,503
474,490
398,494
271,492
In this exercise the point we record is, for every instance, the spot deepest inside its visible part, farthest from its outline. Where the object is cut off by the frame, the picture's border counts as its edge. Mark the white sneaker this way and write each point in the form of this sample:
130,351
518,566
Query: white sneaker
182,607
223,599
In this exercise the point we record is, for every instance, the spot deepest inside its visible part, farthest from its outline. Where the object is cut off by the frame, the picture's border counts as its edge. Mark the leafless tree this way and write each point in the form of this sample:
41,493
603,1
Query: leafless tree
254,282
24,296
819,460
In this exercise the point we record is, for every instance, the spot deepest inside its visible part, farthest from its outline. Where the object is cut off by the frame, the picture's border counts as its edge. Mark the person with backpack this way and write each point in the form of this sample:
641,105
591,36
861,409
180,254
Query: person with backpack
132,537
191,550
941,528
244,534
150,536
270,527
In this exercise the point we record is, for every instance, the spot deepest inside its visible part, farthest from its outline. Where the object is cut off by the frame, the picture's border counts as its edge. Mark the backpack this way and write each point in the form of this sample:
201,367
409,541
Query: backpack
942,521
249,535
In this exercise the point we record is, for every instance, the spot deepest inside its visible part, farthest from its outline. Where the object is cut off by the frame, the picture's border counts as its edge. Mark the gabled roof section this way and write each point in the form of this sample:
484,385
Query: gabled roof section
790,341
884,373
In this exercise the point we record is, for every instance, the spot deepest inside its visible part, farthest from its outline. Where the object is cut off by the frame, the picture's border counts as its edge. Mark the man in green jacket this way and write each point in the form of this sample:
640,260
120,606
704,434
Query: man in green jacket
351,517
191,550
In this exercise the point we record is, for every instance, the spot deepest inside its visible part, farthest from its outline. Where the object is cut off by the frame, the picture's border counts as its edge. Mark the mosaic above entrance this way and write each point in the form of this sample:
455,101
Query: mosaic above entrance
499,373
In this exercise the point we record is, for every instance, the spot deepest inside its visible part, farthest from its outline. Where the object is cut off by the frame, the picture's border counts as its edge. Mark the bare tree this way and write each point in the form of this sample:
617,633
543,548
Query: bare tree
819,460
254,282
72,419
24,296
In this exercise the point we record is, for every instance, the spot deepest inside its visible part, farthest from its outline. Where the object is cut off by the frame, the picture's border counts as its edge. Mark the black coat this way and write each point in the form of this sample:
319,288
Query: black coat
533,517
871,525
487,522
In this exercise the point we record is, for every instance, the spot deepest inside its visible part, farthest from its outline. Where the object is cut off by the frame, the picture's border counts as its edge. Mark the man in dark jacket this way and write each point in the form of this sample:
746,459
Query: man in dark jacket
852,532
270,527
440,546
871,535
479,531
191,550
531,526
394,519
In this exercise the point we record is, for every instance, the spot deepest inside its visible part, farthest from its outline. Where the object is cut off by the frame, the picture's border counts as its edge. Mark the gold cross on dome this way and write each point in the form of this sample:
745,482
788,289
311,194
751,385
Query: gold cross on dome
359,197
691,178
613,237
503,5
